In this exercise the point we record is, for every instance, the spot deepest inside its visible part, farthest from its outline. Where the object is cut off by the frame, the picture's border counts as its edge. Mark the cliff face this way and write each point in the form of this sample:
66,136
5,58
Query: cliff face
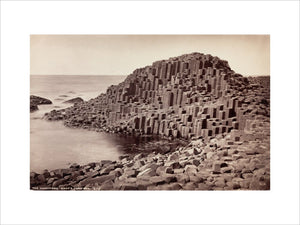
193,95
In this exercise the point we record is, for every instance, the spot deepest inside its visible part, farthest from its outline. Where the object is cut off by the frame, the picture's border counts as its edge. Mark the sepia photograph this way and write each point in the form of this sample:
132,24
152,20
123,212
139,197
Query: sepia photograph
112,111
150,112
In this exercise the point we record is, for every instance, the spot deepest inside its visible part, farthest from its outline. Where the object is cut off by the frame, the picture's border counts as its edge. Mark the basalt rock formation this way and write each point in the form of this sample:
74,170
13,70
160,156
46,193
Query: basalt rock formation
189,96
225,117
36,100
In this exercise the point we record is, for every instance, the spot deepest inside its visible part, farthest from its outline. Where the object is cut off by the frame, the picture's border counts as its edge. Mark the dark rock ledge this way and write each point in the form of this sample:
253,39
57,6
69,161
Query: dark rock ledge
36,100
74,100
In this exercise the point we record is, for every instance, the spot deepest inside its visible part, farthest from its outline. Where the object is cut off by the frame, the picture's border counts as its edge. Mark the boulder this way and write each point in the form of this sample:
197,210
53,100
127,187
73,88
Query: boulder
178,171
128,172
168,178
138,156
80,178
190,169
228,169
116,173
33,174
172,186
99,180
33,108
107,185
148,172
193,151
107,169
98,167
36,100
138,164
123,157
58,182
185,162
169,170
75,166
160,170
93,173
61,172
220,182
189,186
128,186
196,162
74,100
41,178
143,184
203,187
196,179
46,173
157,180
216,169
51,180
173,157
173,164
104,162
182,178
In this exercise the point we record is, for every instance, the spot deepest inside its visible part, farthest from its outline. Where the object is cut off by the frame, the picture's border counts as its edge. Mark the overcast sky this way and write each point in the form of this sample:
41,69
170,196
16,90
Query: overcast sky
121,54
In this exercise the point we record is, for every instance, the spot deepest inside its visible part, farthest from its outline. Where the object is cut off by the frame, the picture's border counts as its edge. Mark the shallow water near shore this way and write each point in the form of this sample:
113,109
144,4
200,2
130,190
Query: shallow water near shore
54,146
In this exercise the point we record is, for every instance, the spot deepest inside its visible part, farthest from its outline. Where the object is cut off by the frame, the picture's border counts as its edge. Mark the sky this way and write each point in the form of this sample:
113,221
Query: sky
122,54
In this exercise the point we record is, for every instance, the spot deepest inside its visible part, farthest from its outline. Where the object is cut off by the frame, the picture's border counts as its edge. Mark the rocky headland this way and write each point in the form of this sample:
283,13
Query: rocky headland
36,100
224,116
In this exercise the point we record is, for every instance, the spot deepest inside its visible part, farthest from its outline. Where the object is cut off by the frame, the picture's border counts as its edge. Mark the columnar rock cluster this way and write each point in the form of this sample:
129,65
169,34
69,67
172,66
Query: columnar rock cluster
193,95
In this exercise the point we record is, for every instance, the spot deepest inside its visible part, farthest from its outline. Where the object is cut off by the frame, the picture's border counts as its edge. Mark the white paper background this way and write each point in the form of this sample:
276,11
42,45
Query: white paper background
278,206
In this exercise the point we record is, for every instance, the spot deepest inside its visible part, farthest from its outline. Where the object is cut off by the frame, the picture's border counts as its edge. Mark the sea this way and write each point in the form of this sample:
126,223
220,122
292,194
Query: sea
54,146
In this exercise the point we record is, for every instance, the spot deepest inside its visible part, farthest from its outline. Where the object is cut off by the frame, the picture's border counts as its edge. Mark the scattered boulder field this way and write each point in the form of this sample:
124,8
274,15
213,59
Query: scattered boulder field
237,161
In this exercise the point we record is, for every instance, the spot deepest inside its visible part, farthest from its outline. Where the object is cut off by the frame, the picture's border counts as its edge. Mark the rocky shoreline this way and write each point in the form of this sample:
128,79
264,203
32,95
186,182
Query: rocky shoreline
236,161
195,97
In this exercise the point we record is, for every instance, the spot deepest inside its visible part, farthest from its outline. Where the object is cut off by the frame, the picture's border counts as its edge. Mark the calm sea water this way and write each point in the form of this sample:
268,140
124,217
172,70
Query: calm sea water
53,145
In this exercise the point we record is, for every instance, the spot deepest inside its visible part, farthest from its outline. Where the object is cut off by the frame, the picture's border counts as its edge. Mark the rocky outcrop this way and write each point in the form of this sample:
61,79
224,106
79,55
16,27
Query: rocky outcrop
74,100
35,101
189,96
33,108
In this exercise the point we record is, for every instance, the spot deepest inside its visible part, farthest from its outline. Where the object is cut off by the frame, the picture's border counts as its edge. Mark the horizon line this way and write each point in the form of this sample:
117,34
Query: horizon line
254,75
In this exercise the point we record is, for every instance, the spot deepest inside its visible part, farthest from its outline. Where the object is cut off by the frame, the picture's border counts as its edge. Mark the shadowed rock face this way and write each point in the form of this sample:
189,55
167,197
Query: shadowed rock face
36,100
74,100
188,96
